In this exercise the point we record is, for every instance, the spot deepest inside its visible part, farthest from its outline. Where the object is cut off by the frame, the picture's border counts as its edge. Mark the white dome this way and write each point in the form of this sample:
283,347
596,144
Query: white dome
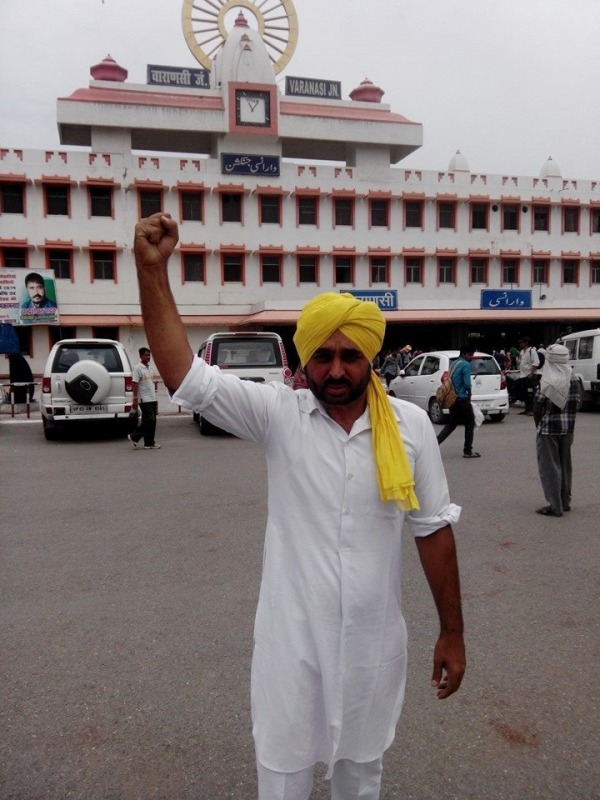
244,57
459,163
550,169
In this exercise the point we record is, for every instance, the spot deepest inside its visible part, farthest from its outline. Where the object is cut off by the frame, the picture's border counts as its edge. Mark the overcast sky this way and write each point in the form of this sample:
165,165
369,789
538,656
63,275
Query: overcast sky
507,83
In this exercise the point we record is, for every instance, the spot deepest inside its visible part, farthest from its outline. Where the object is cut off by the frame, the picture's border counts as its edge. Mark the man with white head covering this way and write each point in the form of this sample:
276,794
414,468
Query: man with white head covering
347,465
554,410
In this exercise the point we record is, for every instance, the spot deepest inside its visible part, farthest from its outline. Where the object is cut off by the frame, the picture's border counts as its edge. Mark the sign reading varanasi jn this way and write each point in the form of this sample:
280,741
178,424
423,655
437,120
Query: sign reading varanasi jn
514,299
385,299
311,87
177,76
240,164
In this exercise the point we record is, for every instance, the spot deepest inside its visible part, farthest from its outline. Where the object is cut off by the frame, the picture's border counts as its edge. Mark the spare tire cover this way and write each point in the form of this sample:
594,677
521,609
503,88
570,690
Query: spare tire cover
87,382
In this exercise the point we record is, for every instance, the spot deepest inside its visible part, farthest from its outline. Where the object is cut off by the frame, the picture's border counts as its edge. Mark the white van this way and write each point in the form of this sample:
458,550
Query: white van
584,357
251,355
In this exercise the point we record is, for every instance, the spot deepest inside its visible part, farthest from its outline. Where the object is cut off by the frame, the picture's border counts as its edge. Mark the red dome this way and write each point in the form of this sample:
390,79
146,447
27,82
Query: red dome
367,92
108,70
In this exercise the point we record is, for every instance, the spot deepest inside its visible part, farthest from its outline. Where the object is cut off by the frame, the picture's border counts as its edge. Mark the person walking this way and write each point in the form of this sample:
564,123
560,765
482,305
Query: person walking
461,413
554,410
144,398
347,466
529,362
389,368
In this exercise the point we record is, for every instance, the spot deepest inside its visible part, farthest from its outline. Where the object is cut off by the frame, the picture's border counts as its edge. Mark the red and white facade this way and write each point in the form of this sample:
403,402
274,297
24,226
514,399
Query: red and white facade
339,213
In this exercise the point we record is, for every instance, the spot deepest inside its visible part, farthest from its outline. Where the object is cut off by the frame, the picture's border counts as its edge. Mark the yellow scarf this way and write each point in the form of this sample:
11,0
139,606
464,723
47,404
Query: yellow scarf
364,324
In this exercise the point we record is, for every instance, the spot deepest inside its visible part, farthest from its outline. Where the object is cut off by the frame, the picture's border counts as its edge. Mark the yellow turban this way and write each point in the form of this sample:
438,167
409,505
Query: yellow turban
364,324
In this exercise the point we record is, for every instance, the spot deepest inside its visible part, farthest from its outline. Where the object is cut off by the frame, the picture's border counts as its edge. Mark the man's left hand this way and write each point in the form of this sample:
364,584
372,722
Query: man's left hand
449,663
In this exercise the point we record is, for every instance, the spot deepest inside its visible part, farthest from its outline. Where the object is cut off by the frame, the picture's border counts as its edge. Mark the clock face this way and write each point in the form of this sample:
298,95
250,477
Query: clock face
252,108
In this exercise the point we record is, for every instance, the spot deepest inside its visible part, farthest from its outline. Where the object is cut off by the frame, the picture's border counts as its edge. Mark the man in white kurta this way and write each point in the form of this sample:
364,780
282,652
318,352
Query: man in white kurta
329,661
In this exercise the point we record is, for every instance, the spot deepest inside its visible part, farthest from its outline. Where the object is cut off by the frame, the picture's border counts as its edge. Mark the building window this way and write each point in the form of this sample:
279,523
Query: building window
541,218
150,202
61,261
231,207
571,219
595,220
570,271
343,269
233,268
103,265
446,214
479,269
595,272
480,216
413,214
379,213
14,257
343,210
12,198
308,267
58,332
414,270
24,335
193,267
57,199
270,267
510,217
307,210
105,332
541,270
101,201
191,206
510,271
380,269
446,270
270,209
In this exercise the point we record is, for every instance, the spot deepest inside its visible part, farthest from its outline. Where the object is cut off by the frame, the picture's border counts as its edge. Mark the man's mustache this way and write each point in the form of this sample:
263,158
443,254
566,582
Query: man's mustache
334,382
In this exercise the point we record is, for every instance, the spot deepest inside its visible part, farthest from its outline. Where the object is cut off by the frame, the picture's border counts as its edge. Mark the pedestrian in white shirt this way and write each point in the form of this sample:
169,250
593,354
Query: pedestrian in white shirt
529,363
347,465
144,398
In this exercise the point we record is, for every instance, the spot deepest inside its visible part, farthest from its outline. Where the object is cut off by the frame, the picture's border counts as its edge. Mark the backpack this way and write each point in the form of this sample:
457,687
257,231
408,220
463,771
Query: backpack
446,394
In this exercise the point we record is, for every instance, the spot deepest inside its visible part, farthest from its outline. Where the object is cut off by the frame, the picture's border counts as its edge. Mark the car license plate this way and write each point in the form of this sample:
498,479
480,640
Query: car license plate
484,405
89,409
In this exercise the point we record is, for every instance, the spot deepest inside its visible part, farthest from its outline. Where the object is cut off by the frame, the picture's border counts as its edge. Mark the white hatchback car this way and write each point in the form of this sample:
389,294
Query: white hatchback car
87,380
421,378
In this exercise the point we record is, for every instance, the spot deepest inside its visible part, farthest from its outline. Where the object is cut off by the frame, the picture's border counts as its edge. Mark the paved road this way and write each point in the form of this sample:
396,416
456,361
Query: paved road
129,581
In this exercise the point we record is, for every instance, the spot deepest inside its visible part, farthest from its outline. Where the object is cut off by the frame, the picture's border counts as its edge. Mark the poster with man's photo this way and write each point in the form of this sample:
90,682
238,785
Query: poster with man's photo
28,297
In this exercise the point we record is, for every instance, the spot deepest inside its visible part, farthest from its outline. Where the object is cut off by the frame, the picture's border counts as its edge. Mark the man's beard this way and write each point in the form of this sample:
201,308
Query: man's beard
354,392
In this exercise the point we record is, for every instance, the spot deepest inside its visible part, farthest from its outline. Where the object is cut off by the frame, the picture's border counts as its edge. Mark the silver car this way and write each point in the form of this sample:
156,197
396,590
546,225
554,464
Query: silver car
421,378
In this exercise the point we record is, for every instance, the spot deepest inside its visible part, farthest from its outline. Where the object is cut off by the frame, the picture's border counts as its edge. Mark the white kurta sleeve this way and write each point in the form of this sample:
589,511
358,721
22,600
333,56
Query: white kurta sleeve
431,484
237,406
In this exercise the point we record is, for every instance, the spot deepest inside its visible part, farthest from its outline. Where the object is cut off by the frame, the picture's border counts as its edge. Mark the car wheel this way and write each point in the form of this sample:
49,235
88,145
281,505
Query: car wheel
87,382
50,433
436,415
582,405
206,429
496,417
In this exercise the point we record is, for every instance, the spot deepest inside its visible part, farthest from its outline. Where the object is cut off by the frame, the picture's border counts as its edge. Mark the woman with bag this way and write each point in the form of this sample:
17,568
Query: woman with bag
461,412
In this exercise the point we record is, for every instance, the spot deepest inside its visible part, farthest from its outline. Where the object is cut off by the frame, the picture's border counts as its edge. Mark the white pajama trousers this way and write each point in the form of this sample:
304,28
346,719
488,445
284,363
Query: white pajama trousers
350,781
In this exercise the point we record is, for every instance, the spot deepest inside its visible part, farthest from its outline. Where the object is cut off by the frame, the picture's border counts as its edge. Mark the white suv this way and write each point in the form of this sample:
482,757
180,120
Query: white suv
251,355
87,380
422,377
